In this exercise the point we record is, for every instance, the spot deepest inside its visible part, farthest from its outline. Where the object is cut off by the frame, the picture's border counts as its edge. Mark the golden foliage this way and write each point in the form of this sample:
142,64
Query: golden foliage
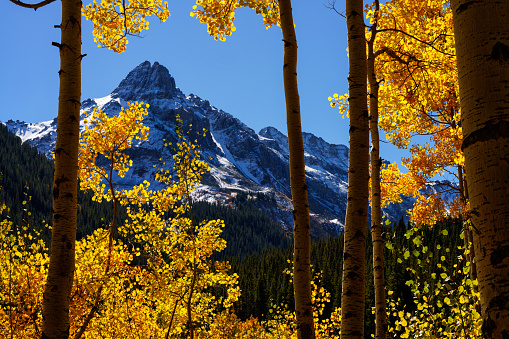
109,137
220,14
23,269
418,96
114,20
157,282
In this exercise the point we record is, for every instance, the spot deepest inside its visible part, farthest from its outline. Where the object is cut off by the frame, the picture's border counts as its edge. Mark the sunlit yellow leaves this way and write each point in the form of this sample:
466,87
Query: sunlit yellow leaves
115,20
220,14
418,95
341,102
109,137
173,286
281,322
24,263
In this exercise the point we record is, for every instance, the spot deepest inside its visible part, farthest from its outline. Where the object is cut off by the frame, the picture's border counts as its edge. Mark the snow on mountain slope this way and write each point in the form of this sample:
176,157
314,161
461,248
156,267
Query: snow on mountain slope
240,159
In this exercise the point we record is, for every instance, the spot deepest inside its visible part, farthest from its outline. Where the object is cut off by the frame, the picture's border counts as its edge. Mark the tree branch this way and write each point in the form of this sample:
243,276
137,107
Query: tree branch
34,6
415,38
332,6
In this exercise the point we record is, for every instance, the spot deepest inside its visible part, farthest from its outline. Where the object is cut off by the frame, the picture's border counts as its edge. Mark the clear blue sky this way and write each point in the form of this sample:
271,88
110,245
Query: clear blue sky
242,76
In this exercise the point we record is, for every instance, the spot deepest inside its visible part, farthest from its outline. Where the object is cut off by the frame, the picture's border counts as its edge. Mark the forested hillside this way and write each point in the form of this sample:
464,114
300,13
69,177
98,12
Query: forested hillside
258,248
24,173
261,260
247,228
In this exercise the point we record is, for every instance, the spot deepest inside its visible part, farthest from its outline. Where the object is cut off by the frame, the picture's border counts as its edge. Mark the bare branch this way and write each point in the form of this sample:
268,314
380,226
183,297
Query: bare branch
332,6
34,6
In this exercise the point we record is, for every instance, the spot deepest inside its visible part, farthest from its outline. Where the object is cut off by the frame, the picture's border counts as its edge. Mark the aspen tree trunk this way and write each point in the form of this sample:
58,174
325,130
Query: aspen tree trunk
57,291
376,208
352,302
302,234
482,49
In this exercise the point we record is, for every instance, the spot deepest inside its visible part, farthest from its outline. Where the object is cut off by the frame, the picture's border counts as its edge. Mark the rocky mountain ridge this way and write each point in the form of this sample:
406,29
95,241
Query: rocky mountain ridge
240,159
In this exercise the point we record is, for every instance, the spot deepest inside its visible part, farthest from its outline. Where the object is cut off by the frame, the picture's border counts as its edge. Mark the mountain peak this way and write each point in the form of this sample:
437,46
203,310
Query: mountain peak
271,133
147,82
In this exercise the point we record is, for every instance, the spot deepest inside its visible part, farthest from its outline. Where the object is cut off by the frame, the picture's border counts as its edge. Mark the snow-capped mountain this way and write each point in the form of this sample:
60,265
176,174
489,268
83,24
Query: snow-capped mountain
240,159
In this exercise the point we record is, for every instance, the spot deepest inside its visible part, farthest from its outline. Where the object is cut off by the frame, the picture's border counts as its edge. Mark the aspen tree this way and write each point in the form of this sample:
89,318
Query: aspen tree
302,230
376,203
352,302
62,258
482,50
55,310
219,21
61,268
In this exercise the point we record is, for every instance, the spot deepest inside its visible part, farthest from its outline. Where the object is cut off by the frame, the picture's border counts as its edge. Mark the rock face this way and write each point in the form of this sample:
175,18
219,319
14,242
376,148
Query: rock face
240,159
156,78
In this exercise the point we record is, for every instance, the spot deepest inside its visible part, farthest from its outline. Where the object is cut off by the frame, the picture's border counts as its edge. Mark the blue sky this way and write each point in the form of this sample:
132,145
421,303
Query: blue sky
242,76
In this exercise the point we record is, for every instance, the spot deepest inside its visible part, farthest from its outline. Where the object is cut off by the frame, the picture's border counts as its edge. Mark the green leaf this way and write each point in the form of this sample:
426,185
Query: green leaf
444,232
406,254
443,275
417,240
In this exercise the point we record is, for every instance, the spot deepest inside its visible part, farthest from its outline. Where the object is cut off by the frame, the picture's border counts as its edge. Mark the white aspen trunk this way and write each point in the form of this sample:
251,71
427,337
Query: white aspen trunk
482,50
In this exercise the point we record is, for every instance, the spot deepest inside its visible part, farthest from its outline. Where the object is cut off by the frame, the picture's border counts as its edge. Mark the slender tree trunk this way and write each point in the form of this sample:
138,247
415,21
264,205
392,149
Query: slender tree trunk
467,232
376,208
57,291
352,302
302,234
482,49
